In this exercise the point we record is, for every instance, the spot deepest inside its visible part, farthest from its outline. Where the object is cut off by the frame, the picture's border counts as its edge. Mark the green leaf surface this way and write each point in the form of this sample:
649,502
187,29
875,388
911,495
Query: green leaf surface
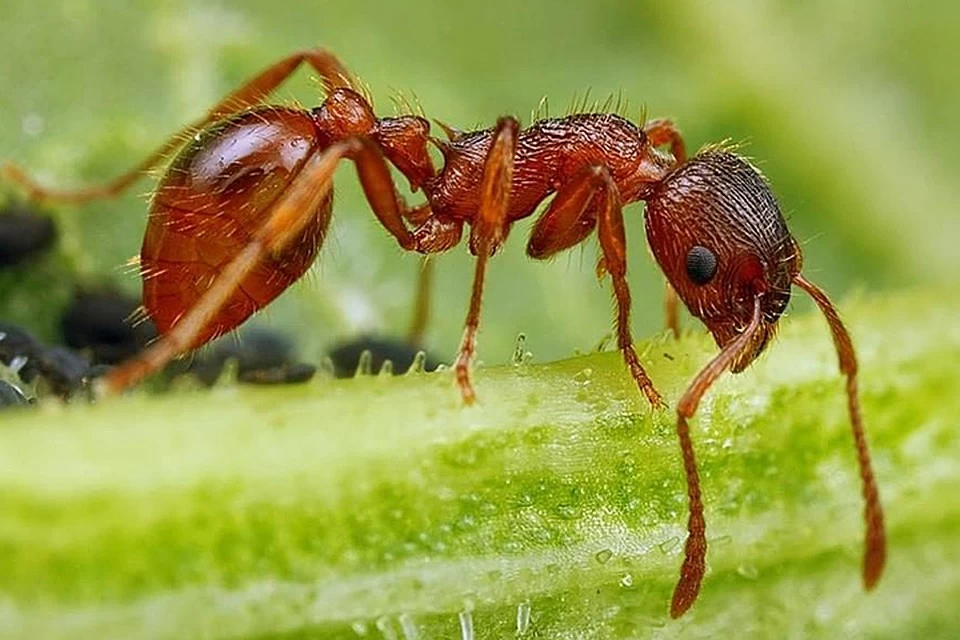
379,507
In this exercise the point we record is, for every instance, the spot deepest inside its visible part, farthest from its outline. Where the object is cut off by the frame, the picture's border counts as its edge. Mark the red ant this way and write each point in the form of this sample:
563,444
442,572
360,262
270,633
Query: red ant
244,208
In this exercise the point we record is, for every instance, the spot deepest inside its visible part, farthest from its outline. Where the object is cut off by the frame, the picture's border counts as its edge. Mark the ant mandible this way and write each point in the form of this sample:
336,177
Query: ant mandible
244,208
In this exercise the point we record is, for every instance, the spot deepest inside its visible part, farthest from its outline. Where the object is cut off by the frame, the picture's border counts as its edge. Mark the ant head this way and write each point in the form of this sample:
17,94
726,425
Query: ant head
716,230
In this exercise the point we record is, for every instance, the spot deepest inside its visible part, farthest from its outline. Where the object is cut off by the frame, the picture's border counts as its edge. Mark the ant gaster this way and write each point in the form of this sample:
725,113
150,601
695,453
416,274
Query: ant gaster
244,208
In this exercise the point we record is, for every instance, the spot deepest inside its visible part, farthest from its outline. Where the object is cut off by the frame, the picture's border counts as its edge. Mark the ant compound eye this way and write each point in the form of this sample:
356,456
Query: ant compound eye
701,265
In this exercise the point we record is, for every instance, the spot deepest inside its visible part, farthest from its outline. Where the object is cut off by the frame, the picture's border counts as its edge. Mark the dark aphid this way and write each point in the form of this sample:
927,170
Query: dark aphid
290,373
103,323
245,206
346,356
262,357
23,234
19,351
11,396
63,370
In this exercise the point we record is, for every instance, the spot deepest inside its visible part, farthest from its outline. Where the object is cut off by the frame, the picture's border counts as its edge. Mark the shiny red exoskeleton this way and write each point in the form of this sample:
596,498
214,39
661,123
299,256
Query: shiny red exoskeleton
245,205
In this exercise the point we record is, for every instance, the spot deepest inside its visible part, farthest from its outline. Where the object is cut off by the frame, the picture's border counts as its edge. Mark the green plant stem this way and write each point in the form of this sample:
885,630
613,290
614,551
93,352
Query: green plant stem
380,507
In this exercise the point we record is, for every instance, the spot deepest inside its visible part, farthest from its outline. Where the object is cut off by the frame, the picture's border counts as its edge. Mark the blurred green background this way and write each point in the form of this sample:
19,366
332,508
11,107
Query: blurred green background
848,107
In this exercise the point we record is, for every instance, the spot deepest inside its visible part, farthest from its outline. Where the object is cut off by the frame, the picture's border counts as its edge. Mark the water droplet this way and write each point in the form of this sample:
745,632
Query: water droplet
583,376
537,435
523,618
465,456
512,546
748,571
540,535
386,369
603,556
466,625
568,512
670,545
384,626
626,581
359,628
409,627
727,443
32,124
720,541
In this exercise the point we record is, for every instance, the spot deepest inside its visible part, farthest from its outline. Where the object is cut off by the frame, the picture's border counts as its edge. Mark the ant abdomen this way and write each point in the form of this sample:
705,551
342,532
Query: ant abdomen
716,230
210,203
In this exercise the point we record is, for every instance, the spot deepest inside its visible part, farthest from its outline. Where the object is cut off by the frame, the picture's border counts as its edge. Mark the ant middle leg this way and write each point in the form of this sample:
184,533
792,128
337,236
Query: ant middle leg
333,74
421,304
591,199
288,217
432,235
486,235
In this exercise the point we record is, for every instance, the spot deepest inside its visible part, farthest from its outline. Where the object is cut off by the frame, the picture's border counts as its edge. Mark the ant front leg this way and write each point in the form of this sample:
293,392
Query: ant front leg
253,92
592,199
694,564
432,235
285,222
663,131
486,235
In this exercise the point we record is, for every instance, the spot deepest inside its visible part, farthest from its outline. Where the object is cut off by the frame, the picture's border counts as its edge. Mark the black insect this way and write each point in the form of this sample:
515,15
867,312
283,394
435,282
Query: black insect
262,357
11,396
23,234
103,322
18,351
346,356
60,369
